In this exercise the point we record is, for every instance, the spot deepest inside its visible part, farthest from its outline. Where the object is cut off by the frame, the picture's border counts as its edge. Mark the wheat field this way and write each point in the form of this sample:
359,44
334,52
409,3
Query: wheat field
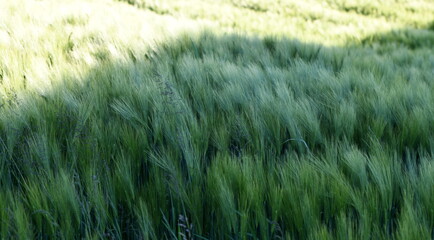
251,119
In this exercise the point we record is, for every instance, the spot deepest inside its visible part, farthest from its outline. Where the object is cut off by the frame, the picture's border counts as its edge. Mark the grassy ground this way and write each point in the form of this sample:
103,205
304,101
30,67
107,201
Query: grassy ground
216,119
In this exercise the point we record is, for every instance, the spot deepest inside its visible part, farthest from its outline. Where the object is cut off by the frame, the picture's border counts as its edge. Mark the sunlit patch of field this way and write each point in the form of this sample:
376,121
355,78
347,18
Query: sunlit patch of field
216,119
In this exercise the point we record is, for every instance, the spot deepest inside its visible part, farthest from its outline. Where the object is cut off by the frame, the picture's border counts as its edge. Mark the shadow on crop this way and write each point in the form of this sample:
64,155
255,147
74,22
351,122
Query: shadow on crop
309,96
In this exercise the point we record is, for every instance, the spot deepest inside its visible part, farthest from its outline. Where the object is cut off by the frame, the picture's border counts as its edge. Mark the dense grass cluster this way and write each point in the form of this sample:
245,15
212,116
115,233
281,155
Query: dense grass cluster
215,135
